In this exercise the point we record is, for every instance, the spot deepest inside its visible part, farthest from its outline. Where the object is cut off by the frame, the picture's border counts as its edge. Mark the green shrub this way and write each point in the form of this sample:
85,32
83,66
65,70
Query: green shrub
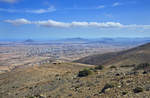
85,72
99,67
138,90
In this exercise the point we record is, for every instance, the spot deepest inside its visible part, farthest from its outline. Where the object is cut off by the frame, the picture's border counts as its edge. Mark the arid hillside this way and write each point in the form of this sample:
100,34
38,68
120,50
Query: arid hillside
72,80
136,55
75,80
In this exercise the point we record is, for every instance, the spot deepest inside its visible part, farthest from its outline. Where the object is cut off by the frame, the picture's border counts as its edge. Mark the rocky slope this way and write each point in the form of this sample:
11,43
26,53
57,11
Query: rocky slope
62,81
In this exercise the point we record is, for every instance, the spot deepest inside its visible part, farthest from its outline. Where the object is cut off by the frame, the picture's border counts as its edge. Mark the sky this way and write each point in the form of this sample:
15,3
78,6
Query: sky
51,19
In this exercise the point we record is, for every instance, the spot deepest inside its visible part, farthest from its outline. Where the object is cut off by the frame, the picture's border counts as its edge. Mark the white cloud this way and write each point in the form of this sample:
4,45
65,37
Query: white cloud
96,24
52,23
116,4
101,6
18,21
106,24
80,24
40,11
35,11
9,1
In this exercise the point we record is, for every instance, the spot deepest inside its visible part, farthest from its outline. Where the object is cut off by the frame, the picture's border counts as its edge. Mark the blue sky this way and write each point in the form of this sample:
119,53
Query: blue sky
49,19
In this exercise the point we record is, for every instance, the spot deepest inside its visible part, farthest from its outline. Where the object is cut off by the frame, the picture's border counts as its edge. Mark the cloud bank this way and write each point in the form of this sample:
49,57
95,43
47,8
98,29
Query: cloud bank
57,24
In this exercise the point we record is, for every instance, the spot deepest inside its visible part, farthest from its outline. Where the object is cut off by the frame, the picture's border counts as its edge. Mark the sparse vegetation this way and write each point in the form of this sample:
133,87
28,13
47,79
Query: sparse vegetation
85,72
138,90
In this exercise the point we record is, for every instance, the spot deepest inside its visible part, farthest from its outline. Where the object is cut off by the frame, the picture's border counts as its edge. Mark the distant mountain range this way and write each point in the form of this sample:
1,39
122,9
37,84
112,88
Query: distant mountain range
107,40
110,41
122,41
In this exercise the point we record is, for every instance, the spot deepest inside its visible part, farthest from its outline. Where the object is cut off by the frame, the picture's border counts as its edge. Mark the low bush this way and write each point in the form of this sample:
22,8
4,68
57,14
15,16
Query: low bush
85,72
113,67
99,67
